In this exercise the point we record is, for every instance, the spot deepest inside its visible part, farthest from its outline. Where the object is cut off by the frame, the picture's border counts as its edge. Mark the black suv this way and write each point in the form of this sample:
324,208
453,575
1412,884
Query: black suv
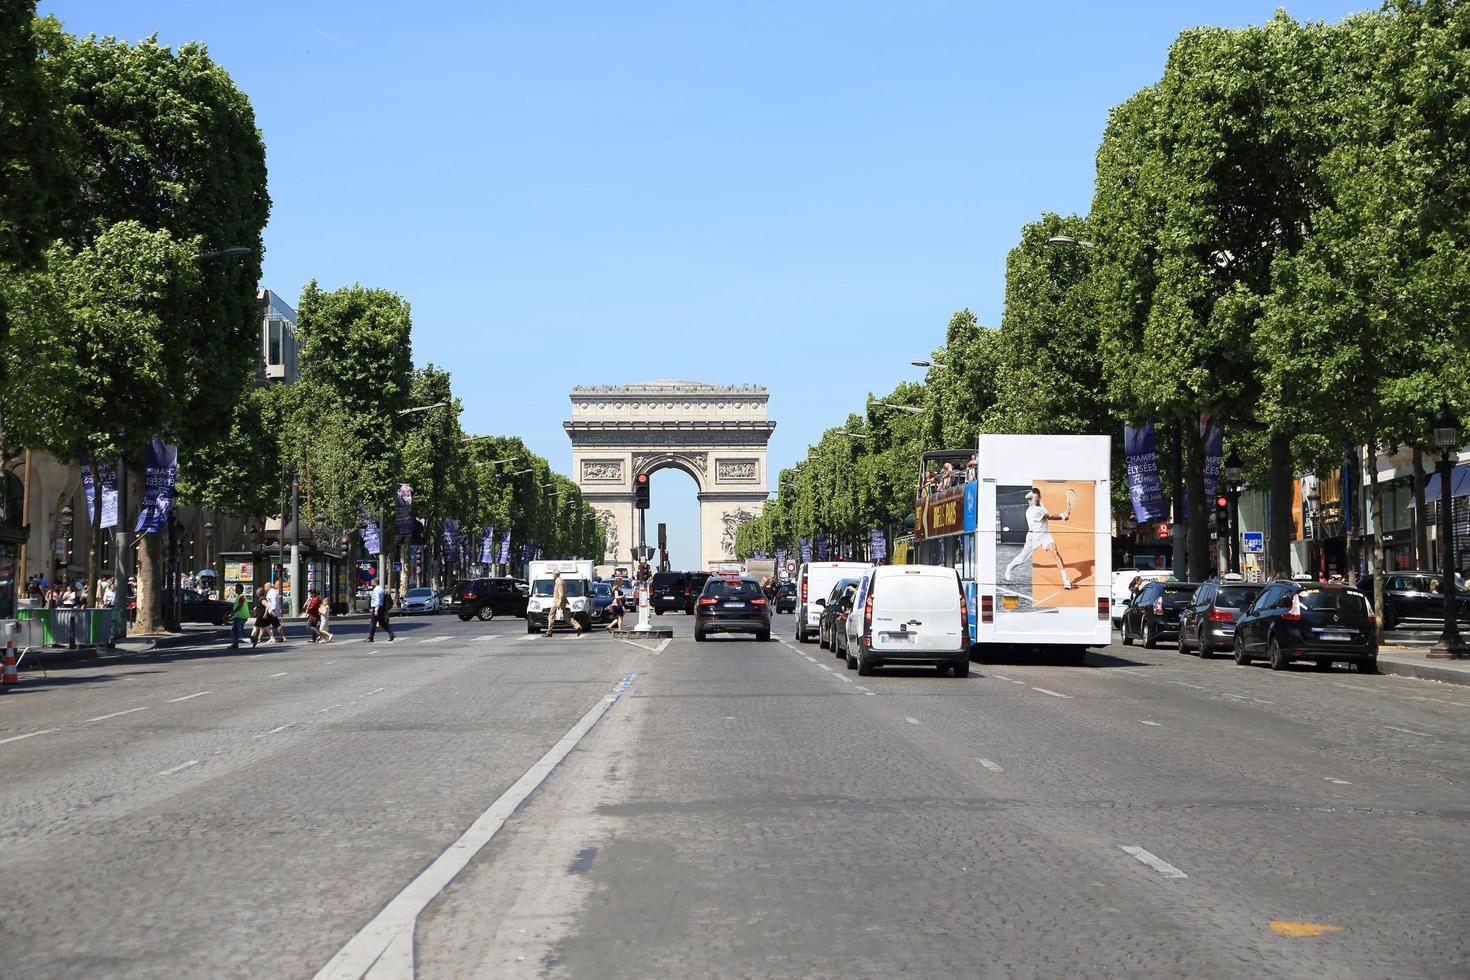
1414,595
488,598
668,592
1208,623
1308,621
693,589
835,608
732,605
1155,613
786,597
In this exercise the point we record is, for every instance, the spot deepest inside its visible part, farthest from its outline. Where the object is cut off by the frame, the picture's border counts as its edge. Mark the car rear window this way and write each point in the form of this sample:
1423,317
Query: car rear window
1179,588
1334,600
662,580
1236,596
725,589
542,587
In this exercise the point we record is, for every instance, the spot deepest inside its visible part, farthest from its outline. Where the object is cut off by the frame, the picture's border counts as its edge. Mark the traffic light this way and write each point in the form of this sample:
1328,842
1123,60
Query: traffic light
640,487
1222,513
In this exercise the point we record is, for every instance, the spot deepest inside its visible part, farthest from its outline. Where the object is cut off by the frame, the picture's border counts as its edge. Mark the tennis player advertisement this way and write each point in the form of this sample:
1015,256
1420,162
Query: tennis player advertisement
1043,542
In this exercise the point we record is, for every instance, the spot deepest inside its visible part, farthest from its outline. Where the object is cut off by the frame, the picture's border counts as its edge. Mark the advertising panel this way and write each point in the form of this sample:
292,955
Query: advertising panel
1045,554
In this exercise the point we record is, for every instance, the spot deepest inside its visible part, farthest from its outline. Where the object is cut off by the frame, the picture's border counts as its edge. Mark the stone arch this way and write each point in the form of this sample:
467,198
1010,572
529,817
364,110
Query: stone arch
694,464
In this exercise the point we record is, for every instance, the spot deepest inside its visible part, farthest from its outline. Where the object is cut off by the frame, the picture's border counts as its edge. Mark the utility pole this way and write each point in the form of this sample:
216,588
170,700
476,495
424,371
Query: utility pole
122,561
295,548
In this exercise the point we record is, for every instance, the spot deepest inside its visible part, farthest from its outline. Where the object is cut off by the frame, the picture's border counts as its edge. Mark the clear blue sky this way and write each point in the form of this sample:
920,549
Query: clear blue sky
781,193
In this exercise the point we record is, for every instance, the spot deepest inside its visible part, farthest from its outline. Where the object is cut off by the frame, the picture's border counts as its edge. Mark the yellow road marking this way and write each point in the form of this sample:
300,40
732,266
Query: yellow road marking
1285,928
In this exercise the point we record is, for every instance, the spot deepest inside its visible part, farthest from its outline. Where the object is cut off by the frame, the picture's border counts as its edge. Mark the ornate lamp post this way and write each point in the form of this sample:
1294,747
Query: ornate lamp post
1234,474
1449,646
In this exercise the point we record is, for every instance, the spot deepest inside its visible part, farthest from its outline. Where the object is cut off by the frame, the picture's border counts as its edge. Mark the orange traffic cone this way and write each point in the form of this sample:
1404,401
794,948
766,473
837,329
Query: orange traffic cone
11,675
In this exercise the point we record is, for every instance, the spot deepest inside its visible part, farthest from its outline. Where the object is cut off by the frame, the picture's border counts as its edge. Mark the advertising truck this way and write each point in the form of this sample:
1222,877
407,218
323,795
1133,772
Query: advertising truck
577,577
1024,520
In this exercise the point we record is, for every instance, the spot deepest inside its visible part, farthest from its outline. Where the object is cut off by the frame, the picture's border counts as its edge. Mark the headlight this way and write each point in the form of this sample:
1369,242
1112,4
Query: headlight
579,603
535,606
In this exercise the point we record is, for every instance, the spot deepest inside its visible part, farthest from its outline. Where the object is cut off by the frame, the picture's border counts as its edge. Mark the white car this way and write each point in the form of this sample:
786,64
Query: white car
420,601
814,581
909,614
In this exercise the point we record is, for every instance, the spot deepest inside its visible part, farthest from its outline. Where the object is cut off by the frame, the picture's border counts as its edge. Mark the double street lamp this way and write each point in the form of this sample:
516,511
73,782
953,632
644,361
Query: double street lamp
1449,646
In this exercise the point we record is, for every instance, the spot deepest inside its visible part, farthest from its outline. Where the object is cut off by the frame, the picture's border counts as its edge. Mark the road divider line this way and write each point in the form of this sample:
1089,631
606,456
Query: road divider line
434,639
990,765
115,714
1154,861
376,690
1408,731
388,938
1055,694
180,767
18,738
912,721
274,731
1002,677
187,697
1182,684
1337,782
845,678
322,711
281,674
1155,724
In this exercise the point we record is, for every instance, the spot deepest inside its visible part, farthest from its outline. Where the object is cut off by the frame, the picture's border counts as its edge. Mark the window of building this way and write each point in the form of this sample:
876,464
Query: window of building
273,353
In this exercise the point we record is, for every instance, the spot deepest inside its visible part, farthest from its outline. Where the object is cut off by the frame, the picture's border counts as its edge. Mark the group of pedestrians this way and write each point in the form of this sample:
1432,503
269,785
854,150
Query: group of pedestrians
266,612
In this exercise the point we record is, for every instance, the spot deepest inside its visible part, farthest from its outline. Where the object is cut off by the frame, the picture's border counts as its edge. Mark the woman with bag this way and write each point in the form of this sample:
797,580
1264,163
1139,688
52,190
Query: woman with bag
314,617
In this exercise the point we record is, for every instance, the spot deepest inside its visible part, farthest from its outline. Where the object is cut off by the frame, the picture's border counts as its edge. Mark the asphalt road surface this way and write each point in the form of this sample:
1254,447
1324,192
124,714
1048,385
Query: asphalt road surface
471,801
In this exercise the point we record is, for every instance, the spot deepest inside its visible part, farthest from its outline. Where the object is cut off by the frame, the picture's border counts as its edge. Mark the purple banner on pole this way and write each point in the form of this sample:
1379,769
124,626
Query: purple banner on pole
821,547
372,541
109,492
1214,443
1142,460
403,523
504,548
160,476
806,549
451,536
877,545
487,546
780,559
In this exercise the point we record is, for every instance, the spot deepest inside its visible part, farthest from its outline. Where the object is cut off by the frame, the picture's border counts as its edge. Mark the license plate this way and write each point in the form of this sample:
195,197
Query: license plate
1337,636
898,637
734,605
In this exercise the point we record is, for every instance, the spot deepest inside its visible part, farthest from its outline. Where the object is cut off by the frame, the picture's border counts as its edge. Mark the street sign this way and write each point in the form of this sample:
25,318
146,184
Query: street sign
791,568
1253,542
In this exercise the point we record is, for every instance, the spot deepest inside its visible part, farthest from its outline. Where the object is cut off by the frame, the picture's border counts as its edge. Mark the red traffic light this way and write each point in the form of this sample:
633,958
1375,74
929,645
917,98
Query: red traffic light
642,477
1222,502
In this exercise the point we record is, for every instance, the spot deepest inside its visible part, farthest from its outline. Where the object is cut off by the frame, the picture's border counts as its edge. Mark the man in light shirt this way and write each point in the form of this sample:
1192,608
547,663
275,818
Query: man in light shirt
379,614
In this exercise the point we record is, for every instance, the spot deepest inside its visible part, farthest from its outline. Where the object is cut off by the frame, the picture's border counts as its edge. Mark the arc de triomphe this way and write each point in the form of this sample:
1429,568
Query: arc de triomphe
715,433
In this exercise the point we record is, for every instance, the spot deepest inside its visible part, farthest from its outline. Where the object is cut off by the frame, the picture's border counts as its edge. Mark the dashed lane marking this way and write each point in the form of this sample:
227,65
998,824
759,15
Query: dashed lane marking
115,714
274,731
866,691
434,639
281,674
328,663
1301,930
180,767
17,738
1002,677
376,690
322,711
1408,731
1021,683
1337,782
1055,694
845,678
1182,684
912,721
990,765
1155,724
1154,861
187,697
386,943
825,667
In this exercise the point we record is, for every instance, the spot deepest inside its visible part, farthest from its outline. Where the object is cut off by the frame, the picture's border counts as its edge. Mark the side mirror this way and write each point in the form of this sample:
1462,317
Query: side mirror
1126,602
822,603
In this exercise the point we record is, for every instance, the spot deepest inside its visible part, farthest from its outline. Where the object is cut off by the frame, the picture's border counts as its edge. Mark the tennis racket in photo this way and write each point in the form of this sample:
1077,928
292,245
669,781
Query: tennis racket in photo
1071,502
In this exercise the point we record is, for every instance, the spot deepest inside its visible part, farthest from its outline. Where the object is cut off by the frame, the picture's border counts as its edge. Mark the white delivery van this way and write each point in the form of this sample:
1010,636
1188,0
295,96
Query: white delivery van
577,574
909,614
813,581
1121,580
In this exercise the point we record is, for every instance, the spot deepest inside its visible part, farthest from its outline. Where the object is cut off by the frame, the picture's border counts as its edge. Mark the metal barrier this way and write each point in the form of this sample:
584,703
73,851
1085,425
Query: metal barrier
71,627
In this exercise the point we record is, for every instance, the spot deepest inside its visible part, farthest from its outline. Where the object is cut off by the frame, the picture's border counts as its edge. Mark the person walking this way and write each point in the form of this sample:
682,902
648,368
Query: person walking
559,604
273,612
379,614
615,610
262,619
323,631
314,616
239,616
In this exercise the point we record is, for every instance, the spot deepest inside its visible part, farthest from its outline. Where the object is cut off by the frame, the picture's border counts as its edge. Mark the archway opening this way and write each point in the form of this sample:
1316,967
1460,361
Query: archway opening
674,500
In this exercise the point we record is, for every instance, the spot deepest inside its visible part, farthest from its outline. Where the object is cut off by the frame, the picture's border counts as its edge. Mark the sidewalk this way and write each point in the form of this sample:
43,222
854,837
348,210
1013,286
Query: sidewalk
1413,663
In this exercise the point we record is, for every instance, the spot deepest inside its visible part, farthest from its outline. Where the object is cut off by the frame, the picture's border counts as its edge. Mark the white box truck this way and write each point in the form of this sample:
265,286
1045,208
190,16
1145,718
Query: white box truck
577,573
1042,562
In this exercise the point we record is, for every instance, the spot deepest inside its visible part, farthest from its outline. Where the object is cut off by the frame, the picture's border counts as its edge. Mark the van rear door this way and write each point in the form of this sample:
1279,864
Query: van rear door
916,608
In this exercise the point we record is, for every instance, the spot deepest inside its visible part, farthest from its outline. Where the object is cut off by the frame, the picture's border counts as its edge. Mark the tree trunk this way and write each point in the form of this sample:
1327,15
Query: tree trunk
1194,488
148,568
94,549
1354,513
1375,499
1421,530
1278,519
1179,528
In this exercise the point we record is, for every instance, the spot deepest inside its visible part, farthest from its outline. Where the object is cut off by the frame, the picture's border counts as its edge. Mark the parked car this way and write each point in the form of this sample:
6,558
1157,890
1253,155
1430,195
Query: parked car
195,607
421,601
487,598
1208,623
1122,578
834,612
449,598
814,580
1308,621
1414,595
909,614
731,604
666,592
693,589
602,597
1155,615
786,597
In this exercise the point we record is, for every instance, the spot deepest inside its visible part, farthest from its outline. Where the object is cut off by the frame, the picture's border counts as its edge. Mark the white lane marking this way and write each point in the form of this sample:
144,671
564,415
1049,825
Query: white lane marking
1001,676
1155,724
434,639
113,715
1022,683
1408,731
1055,694
187,697
1124,670
388,938
990,765
844,677
328,662
180,767
912,721
376,690
1420,697
281,674
17,738
322,711
864,689
663,646
256,657
1182,684
825,667
274,731
1337,782
811,658
1154,861
1245,697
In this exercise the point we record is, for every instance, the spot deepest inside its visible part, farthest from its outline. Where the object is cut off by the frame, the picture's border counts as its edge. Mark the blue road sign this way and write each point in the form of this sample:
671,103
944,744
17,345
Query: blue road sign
1253,542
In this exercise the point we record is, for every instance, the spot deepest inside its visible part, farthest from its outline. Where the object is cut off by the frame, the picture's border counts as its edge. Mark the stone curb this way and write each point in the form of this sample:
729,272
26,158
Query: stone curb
651,634
1426,671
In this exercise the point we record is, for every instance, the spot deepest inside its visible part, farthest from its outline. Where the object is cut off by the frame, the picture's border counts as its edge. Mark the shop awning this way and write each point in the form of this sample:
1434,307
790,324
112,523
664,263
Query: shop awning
1459,484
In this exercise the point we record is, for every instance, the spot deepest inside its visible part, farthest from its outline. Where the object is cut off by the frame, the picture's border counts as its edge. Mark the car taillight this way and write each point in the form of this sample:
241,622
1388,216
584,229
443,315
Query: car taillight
803,590
1221,616
868,612
1295,612
707,601
1102,607
1159,606
987,609
758,602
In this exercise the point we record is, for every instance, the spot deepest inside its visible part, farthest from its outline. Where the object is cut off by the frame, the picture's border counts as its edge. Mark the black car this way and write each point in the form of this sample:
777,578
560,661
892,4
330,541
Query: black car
1155,613
786,597
1415,595
833,621
1208,623
195,607
449,598
668,592
693,589
1308,621
732,605
487,598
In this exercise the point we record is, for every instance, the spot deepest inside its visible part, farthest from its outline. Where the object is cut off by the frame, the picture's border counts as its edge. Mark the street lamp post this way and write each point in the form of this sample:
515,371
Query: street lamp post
1314,514
1449,646
1234,474
925,364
